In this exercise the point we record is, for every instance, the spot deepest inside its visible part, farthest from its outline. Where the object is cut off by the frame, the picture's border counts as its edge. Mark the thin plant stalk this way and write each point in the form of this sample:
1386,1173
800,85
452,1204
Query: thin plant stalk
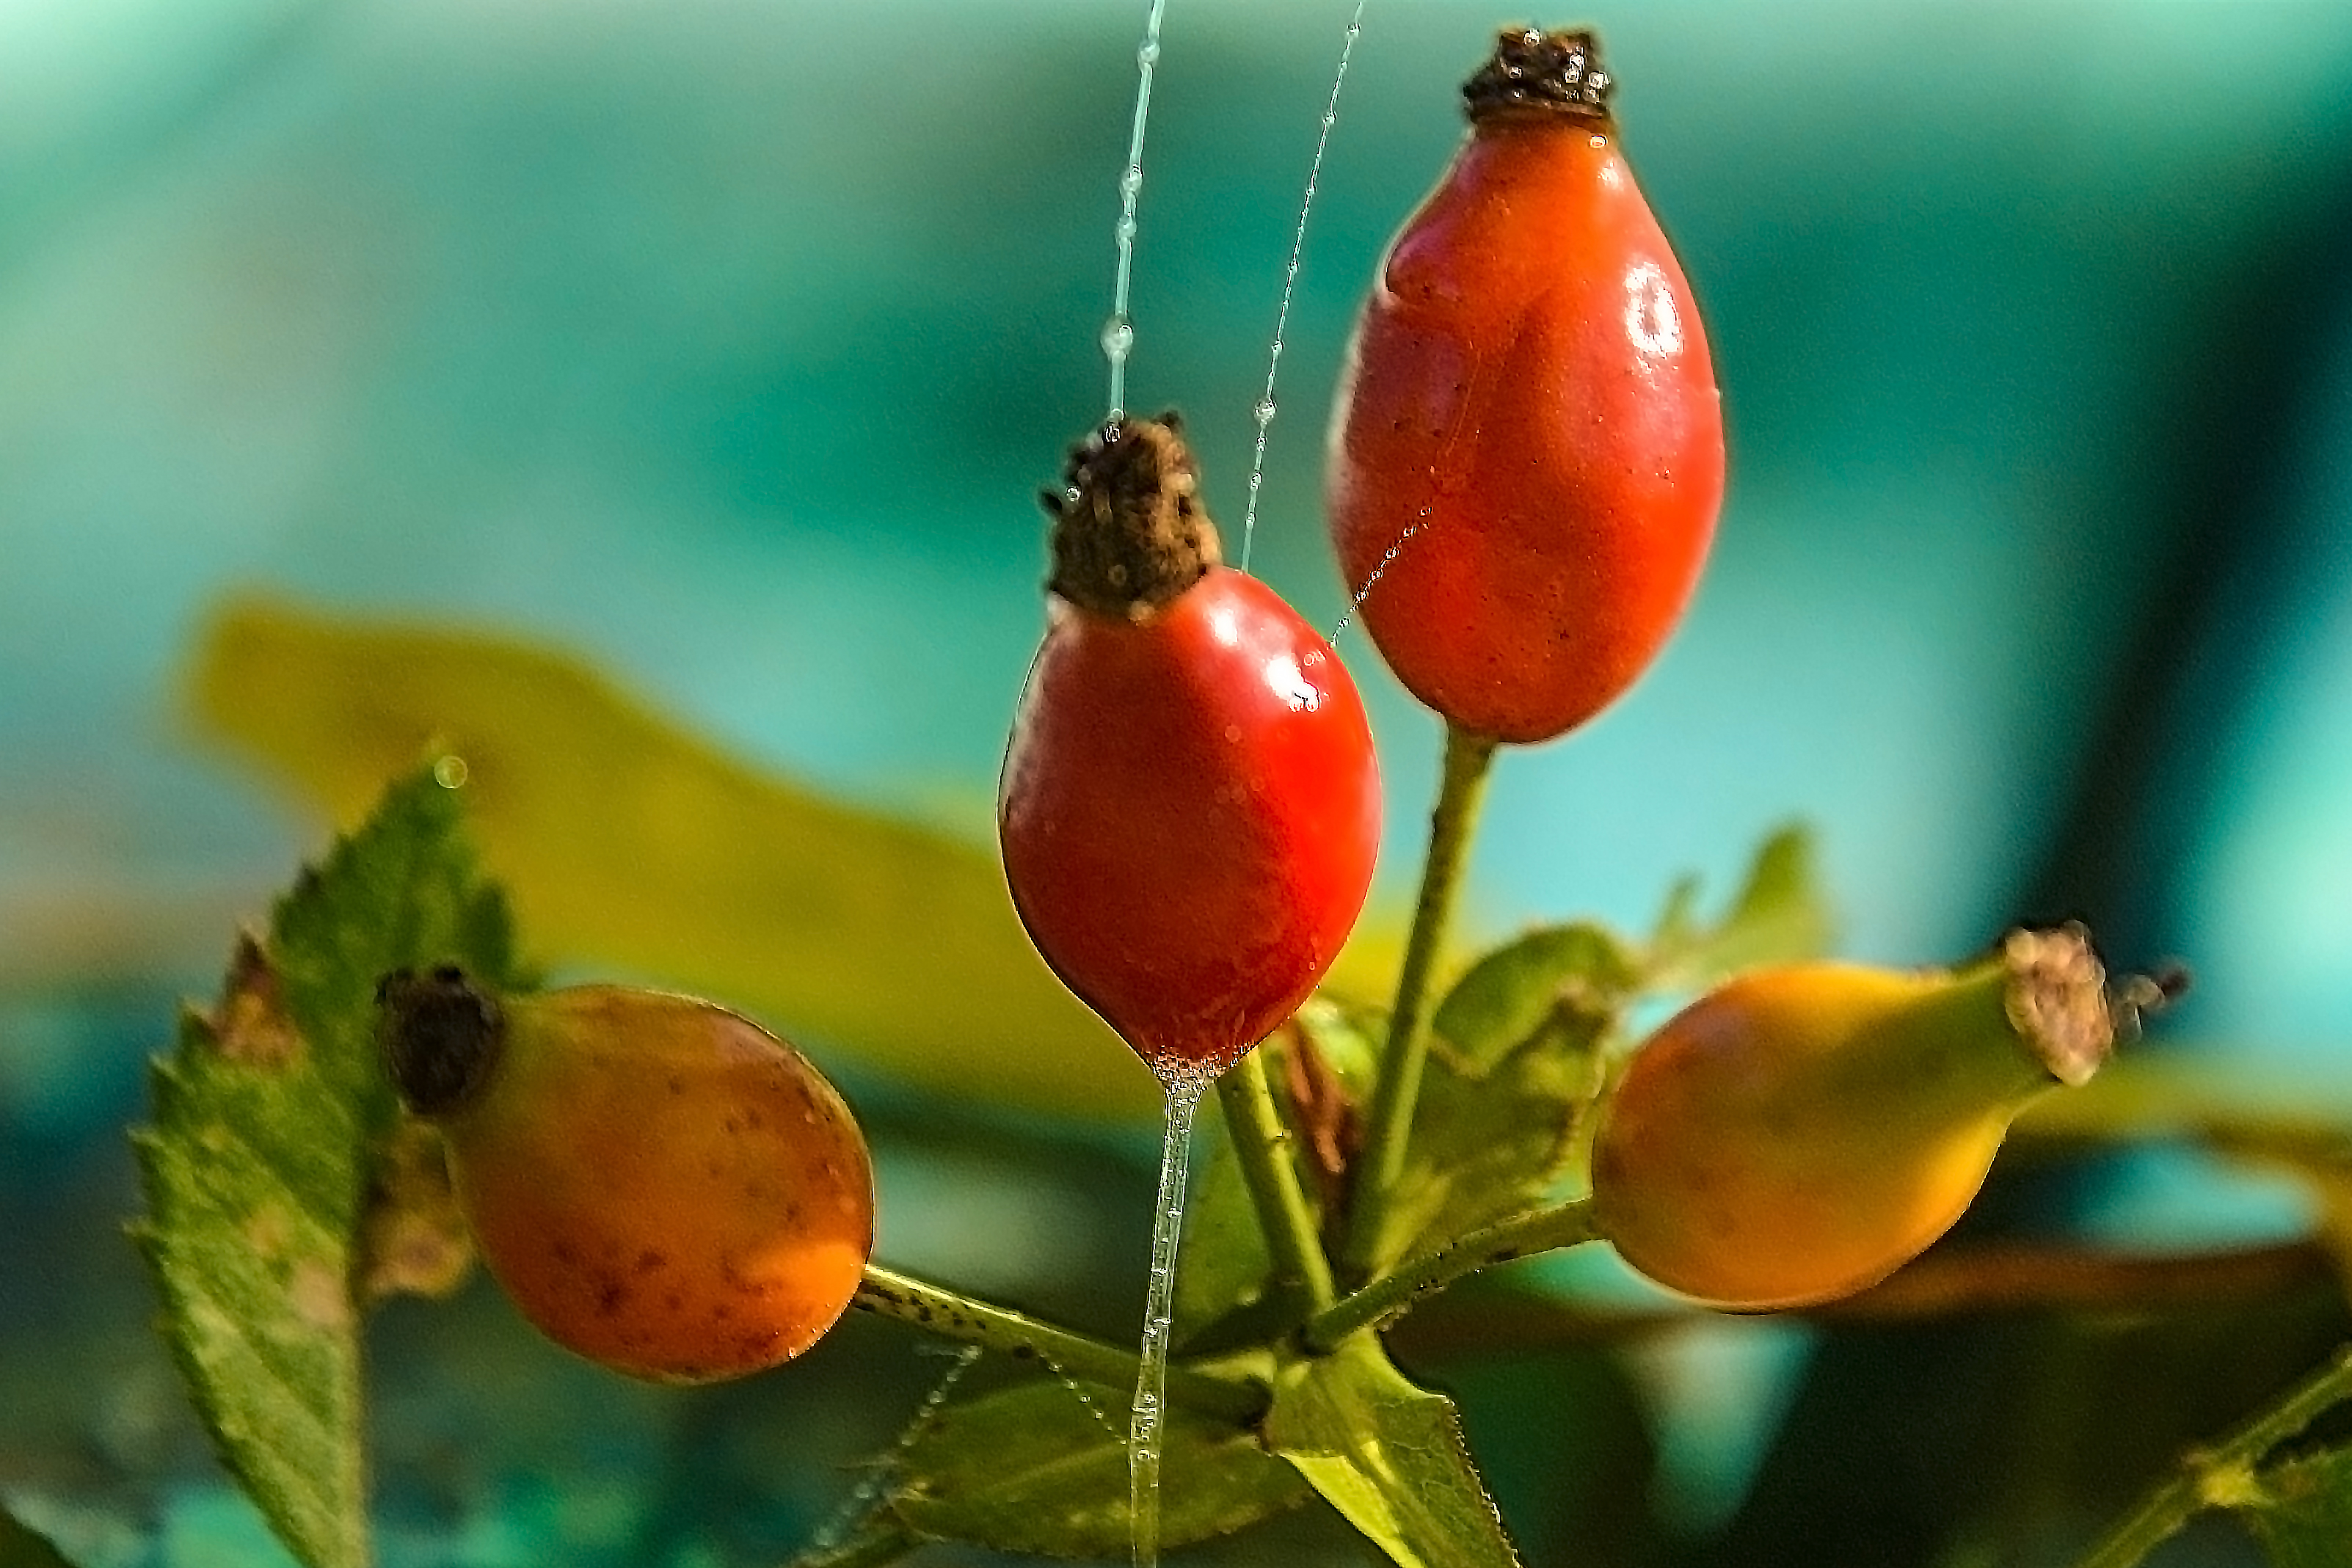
1563,1225
1261,1142
955,1316
1461,791
2224,1474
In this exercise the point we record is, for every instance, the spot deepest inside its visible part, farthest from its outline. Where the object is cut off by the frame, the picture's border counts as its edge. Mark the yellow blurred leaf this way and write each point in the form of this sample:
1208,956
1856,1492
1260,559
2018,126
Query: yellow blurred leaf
625,842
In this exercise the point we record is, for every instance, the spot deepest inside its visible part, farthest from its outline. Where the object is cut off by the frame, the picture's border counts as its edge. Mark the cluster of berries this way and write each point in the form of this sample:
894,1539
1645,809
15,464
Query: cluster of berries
1525,469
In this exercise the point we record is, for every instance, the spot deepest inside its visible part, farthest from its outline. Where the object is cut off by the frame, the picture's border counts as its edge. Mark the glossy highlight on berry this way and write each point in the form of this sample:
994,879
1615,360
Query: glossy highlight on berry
1191,807
660,1184
1526,449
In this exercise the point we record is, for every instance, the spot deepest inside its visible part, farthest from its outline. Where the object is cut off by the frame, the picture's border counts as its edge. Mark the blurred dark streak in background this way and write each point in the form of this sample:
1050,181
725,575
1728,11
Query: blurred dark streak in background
2232,427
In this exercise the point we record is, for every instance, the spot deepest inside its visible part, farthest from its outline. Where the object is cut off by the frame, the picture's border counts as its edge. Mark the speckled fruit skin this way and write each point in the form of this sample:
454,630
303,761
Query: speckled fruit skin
1802,1132
1528,416
1190,813
661,1185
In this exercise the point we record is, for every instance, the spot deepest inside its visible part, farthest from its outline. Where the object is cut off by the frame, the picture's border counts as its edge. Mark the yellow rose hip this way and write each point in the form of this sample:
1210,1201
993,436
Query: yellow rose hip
660,1185
1802,1131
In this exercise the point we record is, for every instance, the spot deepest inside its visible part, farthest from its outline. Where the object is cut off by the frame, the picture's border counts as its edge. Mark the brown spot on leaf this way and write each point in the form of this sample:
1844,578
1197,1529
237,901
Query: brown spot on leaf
250,1025
412,1238
317,1296
268,1232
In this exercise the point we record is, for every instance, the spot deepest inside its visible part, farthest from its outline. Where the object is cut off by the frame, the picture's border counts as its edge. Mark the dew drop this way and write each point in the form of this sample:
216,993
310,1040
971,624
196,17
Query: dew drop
1117,338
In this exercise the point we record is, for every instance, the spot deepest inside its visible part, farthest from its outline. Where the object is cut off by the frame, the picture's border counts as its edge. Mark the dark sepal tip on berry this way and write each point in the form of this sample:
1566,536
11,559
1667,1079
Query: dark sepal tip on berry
1533,71
440,1036
1129,531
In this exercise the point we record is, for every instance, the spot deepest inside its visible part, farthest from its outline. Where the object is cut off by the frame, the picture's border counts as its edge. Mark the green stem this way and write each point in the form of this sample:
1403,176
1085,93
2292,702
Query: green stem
1261,1140
1468,758
2223,1475
1569,1224
951,1315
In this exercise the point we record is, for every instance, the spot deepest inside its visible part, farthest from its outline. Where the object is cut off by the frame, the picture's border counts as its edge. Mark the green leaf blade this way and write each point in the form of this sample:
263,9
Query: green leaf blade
1493,1143
1225,1260
1780,915
1388,1456
257,1167
2305,1519
1036,1469
1509,993
626,840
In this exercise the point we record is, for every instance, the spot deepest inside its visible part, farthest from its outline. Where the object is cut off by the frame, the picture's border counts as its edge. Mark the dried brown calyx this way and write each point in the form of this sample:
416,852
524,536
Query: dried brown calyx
1535,72
440,1037
2060,1001
1129,531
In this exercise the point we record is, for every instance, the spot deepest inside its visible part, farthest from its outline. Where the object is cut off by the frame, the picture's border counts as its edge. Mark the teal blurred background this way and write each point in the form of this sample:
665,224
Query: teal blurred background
726,342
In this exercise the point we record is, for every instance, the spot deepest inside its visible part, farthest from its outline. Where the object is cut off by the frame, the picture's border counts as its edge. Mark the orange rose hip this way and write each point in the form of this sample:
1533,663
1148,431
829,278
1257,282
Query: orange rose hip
660,1185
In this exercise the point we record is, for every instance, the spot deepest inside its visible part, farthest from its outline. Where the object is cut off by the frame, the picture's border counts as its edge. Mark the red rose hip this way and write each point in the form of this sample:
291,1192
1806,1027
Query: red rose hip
1526,452
1190,806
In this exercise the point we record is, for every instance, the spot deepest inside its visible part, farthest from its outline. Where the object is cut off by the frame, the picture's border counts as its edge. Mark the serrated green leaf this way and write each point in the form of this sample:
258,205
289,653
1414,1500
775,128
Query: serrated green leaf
2306,1520
22,1546
1780,916
257,1167
1678,920
1488,1147
623,840
1388,1456
1036,1470
1509,993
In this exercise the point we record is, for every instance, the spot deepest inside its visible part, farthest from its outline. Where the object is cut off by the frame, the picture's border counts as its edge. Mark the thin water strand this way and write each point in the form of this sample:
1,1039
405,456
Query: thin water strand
1380,568
1183,1097
1118,332
1078,1391
879,1470
1265,410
